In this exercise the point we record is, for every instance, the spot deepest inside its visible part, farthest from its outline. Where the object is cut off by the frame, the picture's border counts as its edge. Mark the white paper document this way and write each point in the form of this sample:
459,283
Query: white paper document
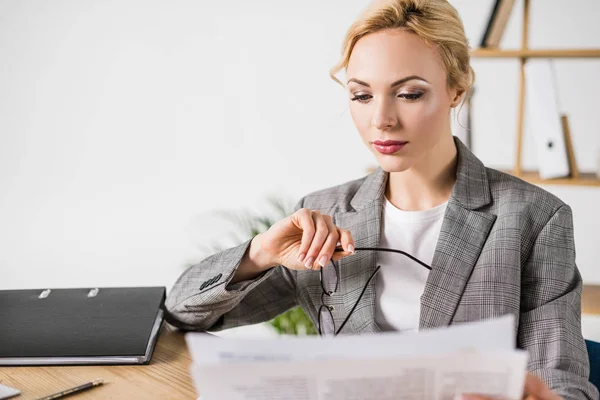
8,392
436,364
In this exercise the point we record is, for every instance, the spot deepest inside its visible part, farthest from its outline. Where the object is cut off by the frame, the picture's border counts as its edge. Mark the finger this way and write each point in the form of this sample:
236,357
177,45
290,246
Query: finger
321,234
303,220
537,389
346,241
326,252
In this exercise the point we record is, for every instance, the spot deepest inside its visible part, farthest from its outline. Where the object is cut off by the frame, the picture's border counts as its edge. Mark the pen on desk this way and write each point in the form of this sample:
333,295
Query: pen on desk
76,389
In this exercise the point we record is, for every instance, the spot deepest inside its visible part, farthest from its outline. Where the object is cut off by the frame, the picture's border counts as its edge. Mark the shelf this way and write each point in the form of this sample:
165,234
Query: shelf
590,299
532,53
585,179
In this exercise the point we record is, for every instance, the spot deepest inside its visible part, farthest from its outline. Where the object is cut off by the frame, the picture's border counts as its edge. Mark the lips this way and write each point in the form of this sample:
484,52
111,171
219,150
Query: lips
389,146
389,142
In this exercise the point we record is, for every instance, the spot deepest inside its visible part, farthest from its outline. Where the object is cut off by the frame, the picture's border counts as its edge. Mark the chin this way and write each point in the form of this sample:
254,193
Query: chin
394,165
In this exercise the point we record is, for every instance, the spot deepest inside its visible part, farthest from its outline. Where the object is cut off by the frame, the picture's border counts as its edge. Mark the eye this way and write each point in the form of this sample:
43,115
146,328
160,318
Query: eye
410,96
362,98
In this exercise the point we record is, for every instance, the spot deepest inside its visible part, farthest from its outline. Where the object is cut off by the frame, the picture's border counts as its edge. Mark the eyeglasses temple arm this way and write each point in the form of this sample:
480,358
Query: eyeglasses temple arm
358,300
391,251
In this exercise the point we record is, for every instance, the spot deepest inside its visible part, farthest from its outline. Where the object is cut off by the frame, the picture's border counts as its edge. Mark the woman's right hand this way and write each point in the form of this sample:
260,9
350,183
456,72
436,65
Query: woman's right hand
305,240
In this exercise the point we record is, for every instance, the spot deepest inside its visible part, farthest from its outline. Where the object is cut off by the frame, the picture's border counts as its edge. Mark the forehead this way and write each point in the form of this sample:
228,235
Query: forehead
385,56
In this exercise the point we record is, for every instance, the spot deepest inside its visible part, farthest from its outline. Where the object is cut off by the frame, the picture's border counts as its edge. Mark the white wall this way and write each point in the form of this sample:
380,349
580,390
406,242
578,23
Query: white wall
125,124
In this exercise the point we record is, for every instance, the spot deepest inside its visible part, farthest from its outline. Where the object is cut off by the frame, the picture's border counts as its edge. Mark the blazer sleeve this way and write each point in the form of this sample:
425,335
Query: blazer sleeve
203,300
550,318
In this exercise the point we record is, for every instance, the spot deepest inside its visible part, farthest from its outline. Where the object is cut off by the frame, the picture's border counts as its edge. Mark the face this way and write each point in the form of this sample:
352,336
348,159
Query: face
398,92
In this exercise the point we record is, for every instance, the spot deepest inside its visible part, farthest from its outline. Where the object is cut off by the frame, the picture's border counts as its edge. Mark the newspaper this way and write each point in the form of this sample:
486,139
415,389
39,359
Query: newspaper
436,364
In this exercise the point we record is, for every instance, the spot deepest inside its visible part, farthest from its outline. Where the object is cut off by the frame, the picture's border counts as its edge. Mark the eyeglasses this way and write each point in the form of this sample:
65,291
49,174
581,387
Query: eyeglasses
330,282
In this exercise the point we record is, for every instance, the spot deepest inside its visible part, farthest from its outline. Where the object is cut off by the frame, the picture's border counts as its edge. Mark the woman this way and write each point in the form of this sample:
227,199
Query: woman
495,244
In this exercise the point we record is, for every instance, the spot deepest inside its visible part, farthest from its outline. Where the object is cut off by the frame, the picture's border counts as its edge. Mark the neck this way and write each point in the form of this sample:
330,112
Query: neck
429,182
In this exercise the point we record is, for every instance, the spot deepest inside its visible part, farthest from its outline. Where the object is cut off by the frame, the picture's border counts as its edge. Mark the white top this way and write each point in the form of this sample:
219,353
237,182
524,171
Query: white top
400,281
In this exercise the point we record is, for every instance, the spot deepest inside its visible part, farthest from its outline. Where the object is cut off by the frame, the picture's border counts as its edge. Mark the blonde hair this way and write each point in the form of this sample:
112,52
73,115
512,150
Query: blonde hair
436,22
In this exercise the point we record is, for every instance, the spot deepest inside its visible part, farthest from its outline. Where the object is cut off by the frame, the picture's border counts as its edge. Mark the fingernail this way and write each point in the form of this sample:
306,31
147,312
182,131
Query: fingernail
309,262
323,261
351,248
301,257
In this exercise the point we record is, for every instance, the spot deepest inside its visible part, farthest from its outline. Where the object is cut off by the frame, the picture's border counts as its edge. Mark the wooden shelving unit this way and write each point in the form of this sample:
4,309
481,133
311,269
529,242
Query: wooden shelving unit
523,54
590,299
584,179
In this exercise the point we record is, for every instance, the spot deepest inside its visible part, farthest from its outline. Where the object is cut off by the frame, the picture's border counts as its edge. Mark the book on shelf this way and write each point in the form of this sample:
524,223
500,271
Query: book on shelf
544,119
497,23
564,119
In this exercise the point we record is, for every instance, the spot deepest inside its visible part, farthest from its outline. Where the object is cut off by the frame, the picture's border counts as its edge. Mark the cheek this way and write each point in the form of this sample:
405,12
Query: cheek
423,117
361,116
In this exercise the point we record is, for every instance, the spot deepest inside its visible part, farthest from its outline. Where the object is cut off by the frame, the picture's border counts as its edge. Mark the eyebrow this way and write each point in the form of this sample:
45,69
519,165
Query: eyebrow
398,82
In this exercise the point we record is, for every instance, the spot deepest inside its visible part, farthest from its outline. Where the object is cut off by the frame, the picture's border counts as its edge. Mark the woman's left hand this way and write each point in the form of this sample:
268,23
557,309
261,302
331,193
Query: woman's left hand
535,389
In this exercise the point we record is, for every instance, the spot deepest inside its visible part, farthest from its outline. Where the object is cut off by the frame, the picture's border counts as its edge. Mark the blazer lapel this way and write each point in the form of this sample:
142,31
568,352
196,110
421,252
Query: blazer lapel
363,220
356,269
462,237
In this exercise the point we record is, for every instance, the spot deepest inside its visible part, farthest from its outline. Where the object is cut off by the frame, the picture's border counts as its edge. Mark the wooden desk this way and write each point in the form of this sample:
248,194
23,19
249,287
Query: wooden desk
166,377
590,299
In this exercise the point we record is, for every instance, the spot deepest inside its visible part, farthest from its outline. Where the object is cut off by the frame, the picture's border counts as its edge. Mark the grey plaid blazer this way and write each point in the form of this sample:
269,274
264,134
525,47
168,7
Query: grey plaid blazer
505,246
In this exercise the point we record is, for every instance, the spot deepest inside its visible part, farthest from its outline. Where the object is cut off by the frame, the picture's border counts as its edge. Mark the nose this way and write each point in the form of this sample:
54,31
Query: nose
384,116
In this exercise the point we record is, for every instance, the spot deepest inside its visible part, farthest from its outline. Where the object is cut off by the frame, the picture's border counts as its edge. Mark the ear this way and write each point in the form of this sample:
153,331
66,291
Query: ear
457,98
